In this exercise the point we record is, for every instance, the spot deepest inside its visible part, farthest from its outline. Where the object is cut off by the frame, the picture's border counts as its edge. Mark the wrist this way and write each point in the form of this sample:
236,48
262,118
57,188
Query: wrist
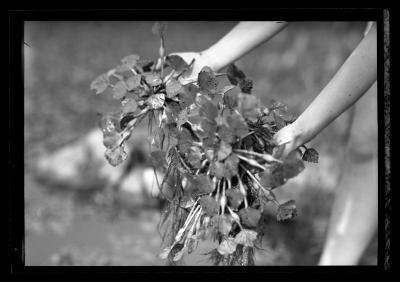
210,59
299,133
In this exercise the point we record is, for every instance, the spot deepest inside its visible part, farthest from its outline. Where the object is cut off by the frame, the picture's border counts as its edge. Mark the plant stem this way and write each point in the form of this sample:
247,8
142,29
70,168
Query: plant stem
134,72
251,162
243,190
162,54
182,161
218,187
265,156
168,77
117,76
266,190
232,214
223,197
188,219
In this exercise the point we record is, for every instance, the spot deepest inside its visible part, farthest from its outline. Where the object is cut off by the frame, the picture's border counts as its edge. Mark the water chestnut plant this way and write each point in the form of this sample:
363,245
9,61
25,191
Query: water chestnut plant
214,144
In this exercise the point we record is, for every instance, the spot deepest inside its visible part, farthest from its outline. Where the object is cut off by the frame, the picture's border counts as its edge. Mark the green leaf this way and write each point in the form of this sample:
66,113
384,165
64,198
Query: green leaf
188,96
126,119
180,253
144,65
224,151
238,124
207,81
272,177
184,140
227,89
209,129
116,157
156,101
119,90
250,217
310,155
177,63
279,107
158,137
192,243
217,169
249,106
246,237
100,84
209,205
174,88
182,118
123,70
129,106
227,246
287,211
226,134
158,159
234,74
210,154
172,111
231,166
133,82
208,110
111,140
235,197
225,224
231,98
199,185
237,77
194,157
159,28
109,124
196,121
246,86
130,61
165,252
153,79
209,142
292,165
175,252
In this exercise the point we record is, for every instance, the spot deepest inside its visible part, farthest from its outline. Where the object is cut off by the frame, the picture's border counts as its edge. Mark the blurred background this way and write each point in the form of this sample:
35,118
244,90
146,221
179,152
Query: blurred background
81,211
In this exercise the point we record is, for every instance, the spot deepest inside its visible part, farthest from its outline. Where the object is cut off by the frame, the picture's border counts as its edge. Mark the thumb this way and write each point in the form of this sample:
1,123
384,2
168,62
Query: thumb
285,144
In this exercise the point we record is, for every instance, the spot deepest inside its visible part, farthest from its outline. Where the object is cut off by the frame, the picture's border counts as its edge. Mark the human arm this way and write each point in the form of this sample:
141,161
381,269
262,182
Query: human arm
243,38
350,82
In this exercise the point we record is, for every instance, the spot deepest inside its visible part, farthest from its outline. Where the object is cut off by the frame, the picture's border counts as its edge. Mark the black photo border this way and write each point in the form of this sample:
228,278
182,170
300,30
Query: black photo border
16,18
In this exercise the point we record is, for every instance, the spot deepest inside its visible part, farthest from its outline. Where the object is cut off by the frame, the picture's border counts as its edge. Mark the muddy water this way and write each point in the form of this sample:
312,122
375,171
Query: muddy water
127,241
130,241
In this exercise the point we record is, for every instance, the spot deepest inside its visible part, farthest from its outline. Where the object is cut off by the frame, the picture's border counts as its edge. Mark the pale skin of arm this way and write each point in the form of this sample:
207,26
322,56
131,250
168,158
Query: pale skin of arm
240,40
243,38
350,82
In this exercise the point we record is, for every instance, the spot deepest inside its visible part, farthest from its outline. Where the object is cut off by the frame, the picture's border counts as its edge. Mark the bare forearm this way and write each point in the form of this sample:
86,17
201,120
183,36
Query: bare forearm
243,38
352,80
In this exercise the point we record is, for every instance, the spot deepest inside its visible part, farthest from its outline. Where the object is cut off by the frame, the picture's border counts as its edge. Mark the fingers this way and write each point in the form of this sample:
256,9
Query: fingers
286,138
289,147
282,137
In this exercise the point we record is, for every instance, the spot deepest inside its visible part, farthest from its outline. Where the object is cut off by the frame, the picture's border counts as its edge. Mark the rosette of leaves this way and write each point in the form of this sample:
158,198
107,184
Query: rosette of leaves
214,143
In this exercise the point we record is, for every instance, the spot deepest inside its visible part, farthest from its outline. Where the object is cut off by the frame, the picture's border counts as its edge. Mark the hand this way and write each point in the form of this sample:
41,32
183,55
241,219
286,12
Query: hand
201,60
290,135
